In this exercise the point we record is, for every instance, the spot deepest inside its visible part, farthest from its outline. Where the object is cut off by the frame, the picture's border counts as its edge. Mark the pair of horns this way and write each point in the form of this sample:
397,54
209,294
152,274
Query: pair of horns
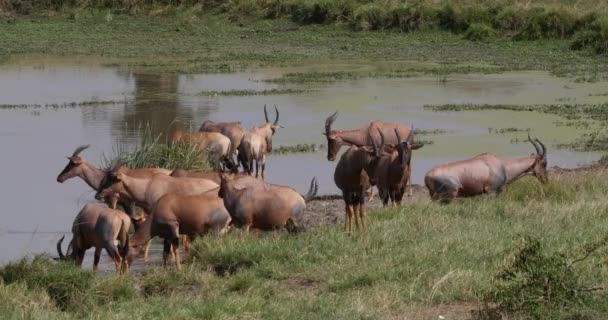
79,150
377,150
329,121
539,146
276,120
409,136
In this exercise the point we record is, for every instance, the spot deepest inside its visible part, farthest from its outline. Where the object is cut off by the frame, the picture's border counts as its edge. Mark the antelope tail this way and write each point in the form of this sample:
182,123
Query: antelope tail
312,191
61,256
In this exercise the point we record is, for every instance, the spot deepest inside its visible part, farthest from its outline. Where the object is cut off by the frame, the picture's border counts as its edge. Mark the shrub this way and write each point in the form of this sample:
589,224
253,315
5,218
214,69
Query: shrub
479,32
510,20
594,36
371,17
538,284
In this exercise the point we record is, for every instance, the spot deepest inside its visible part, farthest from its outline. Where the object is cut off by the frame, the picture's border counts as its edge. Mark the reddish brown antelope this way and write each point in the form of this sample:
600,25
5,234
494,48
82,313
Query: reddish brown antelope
93,176
350,176
146,191
217,145
393,171
187,215
257,143
264,207
209,175
232,130
359,137
485,173
97,226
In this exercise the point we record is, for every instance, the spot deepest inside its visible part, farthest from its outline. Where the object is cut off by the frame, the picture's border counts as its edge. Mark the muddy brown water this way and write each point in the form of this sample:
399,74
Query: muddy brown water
37,210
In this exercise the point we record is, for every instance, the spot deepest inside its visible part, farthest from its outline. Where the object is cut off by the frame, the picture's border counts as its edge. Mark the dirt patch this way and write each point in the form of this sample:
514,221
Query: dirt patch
329,209
228,269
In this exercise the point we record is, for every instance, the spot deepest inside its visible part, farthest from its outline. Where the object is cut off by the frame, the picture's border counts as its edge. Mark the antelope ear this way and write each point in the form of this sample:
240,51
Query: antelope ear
277,126
332,136
119,176
323,133
76,160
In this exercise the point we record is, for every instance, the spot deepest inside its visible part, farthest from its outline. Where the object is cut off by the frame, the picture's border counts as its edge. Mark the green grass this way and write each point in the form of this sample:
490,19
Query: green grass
299,148
59,105
267,92
154,152
413,260
188,42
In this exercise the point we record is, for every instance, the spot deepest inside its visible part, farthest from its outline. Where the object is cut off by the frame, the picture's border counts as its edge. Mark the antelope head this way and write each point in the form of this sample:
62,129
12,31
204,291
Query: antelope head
74,166
404,148
274,125
372,157
334,141
539,169
225,188
111,186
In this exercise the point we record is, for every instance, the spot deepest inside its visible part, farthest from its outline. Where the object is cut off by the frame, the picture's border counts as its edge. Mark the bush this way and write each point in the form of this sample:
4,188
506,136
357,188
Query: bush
537,284
510,20
479,32
594,36
371,17
317,11
541,24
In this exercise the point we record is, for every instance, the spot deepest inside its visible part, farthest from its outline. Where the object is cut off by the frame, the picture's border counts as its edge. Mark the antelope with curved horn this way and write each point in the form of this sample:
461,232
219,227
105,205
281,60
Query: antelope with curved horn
485,173
217,145
257,143
351,176
97,226
178,214
93,176
359,137
393,170
233,130
146,191
264,207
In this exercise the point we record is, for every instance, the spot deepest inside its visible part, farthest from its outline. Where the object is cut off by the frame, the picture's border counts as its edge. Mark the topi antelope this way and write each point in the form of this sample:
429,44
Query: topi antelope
177,214
97,226
209,175
393,170
359,137
355,165
217,145
233,130
146,191
485,173
257,143
264,207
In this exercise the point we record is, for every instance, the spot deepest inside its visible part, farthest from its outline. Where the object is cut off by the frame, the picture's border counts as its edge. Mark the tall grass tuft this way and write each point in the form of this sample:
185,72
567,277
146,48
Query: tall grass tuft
594,36
155,153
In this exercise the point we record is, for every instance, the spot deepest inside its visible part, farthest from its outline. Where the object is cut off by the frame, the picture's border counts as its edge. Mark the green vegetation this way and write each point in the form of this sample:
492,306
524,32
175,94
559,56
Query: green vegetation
299,148
506,130
413,260
429,132
59,105
267,92
155,153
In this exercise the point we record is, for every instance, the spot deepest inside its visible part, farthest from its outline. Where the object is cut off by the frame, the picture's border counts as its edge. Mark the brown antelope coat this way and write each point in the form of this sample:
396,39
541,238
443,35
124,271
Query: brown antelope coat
484,173
97,226
393,171
256,144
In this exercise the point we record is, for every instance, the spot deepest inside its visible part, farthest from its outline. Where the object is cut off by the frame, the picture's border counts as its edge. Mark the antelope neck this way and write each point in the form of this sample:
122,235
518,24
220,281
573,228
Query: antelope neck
91,175
516,168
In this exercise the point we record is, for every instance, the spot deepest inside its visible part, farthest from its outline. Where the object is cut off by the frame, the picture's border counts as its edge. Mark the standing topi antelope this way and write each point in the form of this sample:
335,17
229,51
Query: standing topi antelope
351,176
393,171
177,214
257,143
233,130
485,173
217,145
359,137
97,226
264,207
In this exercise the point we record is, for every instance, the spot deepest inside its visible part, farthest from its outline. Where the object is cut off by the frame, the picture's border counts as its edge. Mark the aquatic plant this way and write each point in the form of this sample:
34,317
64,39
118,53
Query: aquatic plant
265,92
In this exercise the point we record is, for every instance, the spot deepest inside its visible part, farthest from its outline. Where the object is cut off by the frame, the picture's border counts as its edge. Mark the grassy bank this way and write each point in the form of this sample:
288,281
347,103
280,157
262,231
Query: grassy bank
188,41
419,261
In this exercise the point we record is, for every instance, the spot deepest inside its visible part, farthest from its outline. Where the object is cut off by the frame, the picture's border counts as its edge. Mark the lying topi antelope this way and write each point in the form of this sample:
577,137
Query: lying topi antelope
257,143
264,207
393,171
100,227
177,214
217,145
485,173
351,176
233,130
359,138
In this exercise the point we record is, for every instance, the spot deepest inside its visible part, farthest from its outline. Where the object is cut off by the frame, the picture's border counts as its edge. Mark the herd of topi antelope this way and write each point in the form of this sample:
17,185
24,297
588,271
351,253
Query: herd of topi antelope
189,204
